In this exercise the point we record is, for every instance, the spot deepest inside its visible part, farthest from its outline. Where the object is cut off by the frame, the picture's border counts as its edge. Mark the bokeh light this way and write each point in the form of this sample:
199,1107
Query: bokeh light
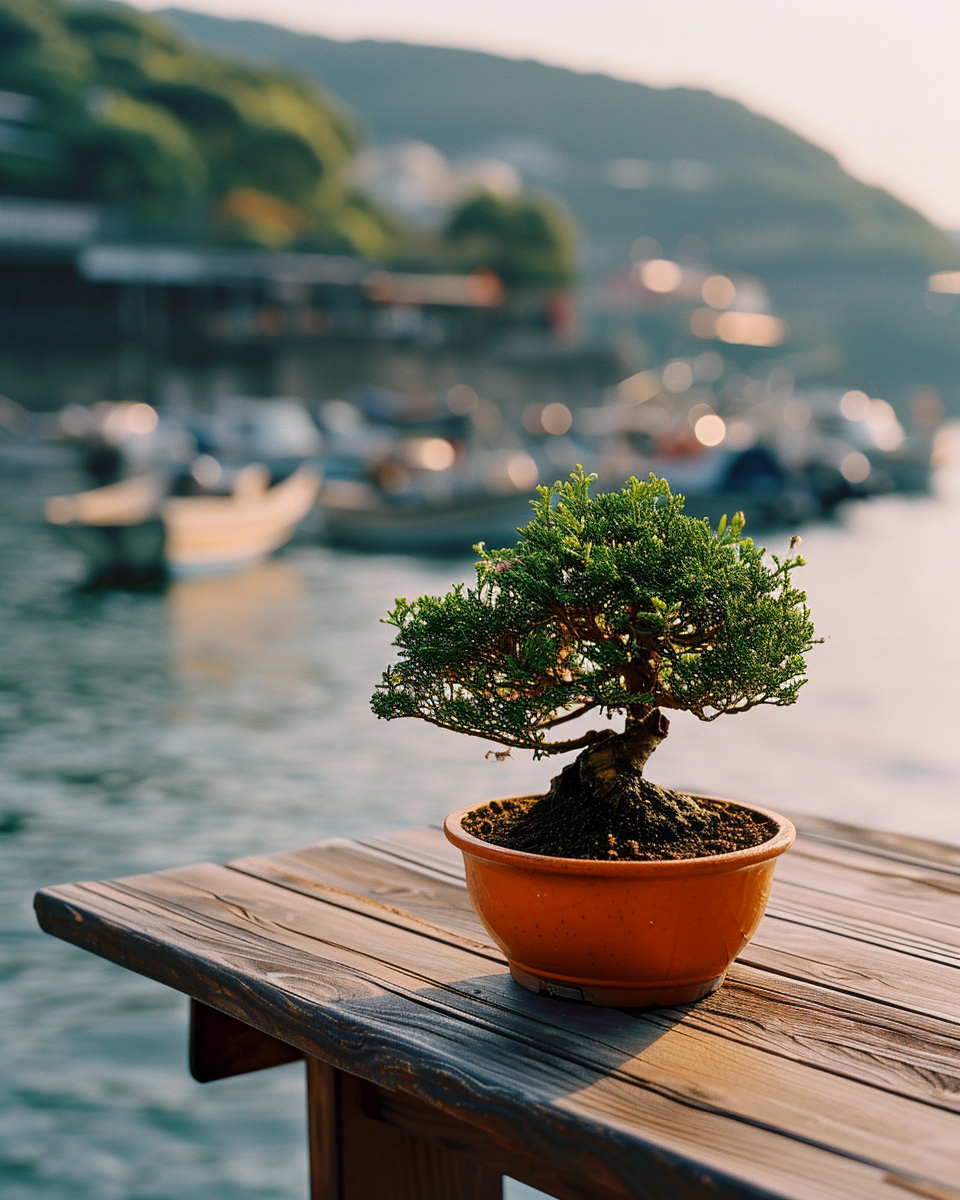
718,291
522,472
661,275
740,436
678,376
854,405
710,430
142,419
206,470
639,388
430,453
944,281
750,329
556,418
855,467
888,433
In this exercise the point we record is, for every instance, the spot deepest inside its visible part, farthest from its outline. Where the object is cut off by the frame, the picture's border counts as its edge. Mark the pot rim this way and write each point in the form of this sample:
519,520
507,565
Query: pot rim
710,864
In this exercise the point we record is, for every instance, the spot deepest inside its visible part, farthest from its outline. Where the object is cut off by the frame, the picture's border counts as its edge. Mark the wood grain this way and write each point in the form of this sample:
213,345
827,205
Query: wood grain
422,845
828,1066
323,1130
744,1081
896,847
849,1035
356,878
354,1155
804,940
888,885
221,911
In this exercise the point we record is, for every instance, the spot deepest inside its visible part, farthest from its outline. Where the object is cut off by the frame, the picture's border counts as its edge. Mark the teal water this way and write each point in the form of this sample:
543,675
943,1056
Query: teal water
230,716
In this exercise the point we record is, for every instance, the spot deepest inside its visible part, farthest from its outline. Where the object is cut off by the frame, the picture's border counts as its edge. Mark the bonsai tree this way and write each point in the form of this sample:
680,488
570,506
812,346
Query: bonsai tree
610,604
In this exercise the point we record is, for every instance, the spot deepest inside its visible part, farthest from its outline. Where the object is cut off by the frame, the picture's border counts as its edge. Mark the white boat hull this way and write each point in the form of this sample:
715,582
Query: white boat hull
185,537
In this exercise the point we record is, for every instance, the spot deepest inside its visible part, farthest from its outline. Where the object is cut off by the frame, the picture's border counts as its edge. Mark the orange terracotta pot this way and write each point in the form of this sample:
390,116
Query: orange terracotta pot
624,934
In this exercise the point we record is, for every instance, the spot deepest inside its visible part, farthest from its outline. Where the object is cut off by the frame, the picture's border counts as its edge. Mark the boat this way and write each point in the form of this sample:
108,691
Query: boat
453,527
133,533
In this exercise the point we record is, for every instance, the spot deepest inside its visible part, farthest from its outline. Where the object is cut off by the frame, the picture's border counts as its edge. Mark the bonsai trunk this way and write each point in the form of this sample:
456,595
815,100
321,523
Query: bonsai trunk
601,806
619,758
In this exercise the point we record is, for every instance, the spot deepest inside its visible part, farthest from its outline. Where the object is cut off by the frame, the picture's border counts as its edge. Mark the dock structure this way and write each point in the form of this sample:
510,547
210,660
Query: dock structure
75,272
826,1068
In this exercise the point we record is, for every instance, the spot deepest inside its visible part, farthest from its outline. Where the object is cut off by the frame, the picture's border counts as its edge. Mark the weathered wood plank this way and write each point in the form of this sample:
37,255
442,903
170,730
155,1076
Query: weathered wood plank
537,1100
357,878
765,1085
902,1053
859,1038
882,882
854,968
744,1082
423,845
321,870
825,1000
898,847
397,888
908,935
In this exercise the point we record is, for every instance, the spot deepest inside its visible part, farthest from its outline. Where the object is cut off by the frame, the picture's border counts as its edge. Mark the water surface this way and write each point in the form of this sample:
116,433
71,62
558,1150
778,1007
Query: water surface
227,717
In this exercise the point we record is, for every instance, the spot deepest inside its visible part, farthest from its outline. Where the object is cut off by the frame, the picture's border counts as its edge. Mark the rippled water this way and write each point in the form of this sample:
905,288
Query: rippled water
226,717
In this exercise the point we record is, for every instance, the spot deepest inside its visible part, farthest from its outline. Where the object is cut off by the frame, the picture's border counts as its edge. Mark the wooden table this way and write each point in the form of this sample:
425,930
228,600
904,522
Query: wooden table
827,1066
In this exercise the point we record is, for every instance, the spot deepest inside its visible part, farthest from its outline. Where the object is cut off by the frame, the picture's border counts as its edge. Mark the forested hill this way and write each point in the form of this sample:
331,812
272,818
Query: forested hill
756,192
846,263
102,102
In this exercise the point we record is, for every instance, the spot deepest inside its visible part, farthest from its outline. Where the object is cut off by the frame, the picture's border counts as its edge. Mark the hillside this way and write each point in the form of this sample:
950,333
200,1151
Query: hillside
108,104
846,263
756,192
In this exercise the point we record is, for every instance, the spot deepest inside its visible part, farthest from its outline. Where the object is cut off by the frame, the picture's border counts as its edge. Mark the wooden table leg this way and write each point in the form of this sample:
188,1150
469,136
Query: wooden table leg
221,1046
355,1156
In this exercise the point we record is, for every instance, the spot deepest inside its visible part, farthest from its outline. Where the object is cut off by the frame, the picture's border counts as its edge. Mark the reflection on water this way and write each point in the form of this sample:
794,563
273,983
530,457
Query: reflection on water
231,716
223,628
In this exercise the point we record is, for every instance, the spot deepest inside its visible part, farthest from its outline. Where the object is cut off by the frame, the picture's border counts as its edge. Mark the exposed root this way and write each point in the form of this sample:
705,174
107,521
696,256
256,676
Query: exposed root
601,807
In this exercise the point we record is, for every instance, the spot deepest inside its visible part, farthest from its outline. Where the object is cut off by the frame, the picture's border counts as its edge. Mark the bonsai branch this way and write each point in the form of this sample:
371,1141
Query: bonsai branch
570,716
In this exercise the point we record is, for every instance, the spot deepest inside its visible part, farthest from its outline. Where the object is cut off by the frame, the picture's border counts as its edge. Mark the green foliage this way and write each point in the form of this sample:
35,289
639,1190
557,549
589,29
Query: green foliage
527,241
617,603
133,115
140,154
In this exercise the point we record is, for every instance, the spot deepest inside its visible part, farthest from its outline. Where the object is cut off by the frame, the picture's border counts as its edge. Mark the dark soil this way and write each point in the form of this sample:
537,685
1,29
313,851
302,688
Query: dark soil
656,825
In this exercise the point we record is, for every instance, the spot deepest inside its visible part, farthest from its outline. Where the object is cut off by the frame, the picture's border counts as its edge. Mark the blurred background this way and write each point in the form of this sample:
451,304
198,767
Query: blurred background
297,304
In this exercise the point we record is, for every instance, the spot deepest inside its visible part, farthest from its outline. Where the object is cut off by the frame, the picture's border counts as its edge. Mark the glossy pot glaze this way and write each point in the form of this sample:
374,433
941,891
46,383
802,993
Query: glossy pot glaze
623,934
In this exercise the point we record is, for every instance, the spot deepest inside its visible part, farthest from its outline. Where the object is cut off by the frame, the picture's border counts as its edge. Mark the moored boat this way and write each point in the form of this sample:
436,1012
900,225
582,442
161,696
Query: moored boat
450,528
133,533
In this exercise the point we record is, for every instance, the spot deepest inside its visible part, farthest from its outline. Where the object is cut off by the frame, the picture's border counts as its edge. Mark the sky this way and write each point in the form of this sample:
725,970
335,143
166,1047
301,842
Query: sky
876,82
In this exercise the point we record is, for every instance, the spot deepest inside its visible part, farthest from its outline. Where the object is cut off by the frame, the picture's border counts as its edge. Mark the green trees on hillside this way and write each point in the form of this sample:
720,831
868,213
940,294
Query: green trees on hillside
528,240
109,104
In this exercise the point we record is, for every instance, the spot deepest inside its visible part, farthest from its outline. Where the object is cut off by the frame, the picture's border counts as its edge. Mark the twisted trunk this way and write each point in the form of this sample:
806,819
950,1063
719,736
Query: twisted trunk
601,806
622,755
